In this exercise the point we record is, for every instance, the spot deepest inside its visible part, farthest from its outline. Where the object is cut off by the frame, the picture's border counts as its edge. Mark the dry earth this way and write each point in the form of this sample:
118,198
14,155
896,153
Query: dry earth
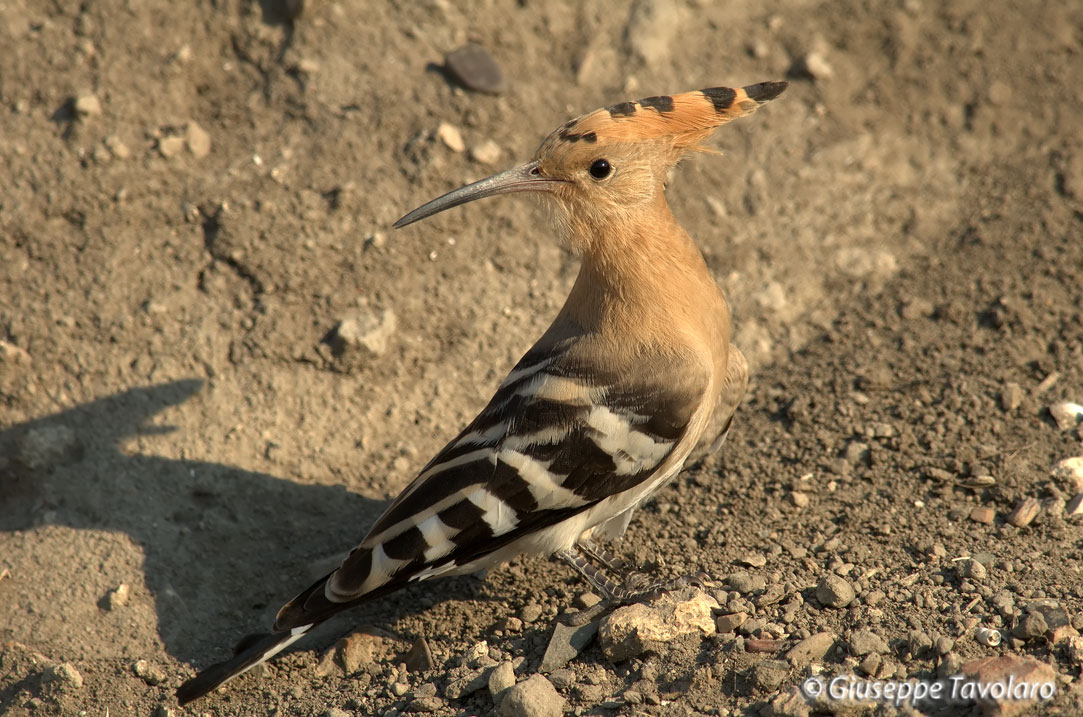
195,194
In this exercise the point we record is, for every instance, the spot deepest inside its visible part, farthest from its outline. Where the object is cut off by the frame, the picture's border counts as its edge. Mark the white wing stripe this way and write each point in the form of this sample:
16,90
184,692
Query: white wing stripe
497,514
544,486
438,535
631,450
382,569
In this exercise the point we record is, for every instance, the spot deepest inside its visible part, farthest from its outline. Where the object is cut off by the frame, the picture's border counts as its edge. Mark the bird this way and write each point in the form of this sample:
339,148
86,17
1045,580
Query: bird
635,374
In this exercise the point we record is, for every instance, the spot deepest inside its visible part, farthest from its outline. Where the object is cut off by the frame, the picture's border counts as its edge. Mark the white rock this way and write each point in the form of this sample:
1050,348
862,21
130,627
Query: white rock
87,105
366,332
636,629
1066,414
450,135
197,139
1070,472
488,152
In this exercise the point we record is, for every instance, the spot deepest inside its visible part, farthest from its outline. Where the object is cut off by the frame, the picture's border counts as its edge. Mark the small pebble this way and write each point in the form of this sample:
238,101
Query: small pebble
63,674
533,697
487,152
1075,506
867,642
1025,511
419,658
833,591
87,105
1070,473
501,678
1011,396
769,674
753,560
1066,414
117,597
450,135
170,146
811,649
1032,626
814,66
971,569
149,673
729,623
983,514
474,68
197,139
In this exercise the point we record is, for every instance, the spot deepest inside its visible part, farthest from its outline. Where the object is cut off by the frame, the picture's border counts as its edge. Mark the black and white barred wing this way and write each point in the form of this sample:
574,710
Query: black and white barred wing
561,447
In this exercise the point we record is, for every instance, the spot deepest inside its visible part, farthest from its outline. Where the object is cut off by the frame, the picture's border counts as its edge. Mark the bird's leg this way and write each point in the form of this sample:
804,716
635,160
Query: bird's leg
634,586
600,555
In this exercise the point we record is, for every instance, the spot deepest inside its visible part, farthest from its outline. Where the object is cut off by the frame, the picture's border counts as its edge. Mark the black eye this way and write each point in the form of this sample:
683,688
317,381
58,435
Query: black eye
600,169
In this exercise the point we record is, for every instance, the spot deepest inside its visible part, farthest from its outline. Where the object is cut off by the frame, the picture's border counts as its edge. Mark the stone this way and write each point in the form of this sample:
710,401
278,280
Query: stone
1066,414
814,66
867,642
812,648
745,583
533,697
170,146
419,657
983,514
566,643
150,673
424,705
729,623
117,597
788,703
475,69
834,591
971,569
753,560
530,612
1074,506
1032,626
1069,472
645,627
487,152
770,674
87,105
1006,669
451,137
366,335
1011,396
64,674
501,678
1025,511
197,139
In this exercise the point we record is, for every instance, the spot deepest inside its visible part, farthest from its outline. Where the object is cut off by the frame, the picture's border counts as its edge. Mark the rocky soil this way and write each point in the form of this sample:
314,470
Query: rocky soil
218,362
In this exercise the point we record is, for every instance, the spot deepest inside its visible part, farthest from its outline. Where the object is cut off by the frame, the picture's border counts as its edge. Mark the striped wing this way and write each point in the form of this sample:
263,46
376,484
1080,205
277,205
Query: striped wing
559,437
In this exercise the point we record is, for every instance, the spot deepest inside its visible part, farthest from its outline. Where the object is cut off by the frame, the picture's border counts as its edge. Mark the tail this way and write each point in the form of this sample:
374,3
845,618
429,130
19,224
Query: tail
252,651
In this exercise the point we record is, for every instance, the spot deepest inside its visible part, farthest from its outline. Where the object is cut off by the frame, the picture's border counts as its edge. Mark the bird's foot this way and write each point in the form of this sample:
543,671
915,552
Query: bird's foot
634,585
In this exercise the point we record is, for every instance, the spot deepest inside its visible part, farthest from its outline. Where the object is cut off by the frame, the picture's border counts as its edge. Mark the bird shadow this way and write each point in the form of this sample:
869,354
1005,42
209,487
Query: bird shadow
223,547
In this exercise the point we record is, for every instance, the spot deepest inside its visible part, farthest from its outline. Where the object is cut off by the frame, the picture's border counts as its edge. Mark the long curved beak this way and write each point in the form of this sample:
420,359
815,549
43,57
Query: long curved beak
524,178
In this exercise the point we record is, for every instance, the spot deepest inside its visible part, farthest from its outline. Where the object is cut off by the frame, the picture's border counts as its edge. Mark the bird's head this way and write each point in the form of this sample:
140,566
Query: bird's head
607,165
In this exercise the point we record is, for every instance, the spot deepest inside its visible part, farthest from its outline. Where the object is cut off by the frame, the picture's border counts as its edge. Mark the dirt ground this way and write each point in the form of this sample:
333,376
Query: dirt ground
195,194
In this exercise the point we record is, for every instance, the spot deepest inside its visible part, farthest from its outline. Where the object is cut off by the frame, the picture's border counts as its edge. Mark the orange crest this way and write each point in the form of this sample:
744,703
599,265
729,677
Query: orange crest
685,119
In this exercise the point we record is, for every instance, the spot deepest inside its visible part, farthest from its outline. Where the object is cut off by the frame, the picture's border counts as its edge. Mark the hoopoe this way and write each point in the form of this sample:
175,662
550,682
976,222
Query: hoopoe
635,372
